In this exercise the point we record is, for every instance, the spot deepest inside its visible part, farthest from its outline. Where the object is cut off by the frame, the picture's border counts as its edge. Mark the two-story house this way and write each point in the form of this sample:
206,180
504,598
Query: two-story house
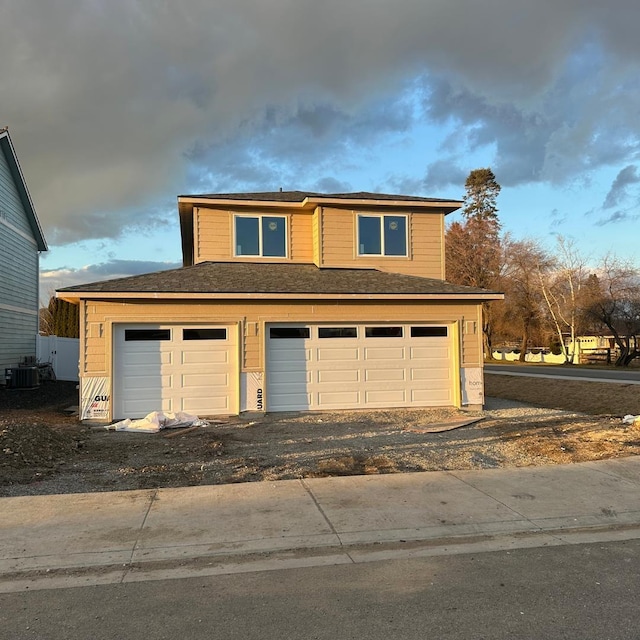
287,301
21,241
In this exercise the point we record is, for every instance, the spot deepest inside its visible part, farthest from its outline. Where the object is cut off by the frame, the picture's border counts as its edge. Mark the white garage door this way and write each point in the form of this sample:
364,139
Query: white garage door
358,366
174,368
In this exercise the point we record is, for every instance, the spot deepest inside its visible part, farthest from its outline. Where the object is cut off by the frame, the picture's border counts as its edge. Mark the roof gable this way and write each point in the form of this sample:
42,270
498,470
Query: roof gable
8,150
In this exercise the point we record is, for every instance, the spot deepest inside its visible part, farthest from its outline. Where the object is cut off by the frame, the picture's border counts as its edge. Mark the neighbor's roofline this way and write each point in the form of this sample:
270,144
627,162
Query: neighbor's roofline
14,165
76,296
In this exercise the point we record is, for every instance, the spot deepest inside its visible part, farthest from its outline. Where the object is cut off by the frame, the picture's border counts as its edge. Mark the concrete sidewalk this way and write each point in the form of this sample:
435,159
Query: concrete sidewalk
77,539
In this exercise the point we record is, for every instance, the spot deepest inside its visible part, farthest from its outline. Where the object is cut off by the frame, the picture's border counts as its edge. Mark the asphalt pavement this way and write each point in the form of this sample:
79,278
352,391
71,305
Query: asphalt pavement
60,541
560,372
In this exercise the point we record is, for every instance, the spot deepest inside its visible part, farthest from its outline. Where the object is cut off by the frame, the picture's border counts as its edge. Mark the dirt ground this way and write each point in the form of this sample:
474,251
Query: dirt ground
44,450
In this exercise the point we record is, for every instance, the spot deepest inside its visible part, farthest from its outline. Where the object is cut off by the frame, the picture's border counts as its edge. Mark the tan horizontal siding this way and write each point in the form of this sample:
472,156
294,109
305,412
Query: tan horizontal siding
301,238
213,236
315,225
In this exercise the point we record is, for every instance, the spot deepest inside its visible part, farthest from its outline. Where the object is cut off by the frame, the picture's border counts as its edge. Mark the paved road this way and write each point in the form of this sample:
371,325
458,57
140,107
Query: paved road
583,591
627,376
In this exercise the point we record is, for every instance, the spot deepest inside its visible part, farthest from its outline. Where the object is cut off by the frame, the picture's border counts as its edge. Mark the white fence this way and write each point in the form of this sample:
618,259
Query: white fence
529,357
62,353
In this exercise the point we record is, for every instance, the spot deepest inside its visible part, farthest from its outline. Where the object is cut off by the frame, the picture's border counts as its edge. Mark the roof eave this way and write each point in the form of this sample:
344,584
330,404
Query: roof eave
311,202
23,191
76,296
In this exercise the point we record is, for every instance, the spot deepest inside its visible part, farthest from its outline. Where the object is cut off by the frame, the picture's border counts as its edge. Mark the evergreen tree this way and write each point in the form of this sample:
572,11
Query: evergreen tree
473,252
482,191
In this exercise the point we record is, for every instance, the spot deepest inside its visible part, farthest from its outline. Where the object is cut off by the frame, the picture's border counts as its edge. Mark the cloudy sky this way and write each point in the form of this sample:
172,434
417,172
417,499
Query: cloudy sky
117,106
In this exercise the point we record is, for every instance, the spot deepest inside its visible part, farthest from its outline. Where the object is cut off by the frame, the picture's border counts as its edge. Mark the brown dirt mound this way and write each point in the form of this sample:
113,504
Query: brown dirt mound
34,444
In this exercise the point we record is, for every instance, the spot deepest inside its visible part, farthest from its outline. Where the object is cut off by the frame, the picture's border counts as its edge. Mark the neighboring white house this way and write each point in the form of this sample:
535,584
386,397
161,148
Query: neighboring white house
21,241
593,348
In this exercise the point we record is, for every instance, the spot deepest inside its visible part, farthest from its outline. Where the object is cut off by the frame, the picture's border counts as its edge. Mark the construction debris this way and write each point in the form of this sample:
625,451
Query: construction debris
156,421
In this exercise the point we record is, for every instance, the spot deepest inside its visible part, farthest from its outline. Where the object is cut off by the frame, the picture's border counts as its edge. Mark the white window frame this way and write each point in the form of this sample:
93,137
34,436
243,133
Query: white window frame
382,247
259,216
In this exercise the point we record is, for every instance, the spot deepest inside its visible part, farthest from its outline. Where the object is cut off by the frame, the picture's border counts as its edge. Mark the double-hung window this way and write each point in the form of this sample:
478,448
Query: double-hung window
380,235
263,236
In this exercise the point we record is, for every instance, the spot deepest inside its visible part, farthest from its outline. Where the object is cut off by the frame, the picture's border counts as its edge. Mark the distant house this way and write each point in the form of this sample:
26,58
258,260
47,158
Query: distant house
21,241
287,301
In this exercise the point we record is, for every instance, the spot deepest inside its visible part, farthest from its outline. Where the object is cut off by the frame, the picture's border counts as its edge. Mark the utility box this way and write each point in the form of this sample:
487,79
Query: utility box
22,377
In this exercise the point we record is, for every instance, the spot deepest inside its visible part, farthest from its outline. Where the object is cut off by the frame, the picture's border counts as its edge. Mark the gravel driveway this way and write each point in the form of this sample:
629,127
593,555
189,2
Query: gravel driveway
44,451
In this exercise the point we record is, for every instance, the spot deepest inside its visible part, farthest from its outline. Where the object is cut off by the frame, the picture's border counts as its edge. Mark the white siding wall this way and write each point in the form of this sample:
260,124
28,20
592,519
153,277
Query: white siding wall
19,279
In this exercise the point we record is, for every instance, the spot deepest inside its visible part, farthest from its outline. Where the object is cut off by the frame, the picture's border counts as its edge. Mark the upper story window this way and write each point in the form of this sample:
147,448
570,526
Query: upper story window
380,235
262,236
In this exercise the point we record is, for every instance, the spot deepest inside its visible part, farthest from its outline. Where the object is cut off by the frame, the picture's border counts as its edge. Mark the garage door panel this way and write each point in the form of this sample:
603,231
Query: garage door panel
205,406
339,398
293,401
432,373
140,407
387,397
278,368
143,370
338,354
385,375
434,397
430,352
384,353
205,357
200,381
338,376
289,377
132,359
290,354
150,382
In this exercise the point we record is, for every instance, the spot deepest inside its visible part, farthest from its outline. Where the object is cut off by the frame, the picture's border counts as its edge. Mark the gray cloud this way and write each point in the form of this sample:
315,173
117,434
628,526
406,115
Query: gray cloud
117,106
619,190
52,279
616,217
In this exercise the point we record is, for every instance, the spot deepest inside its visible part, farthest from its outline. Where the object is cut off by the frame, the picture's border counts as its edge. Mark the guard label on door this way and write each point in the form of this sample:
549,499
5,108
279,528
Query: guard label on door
95,397
472,386
252,391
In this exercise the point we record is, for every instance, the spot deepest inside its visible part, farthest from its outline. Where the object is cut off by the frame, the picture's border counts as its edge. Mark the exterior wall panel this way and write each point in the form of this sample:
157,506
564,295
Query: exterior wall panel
426,243
17,338
19,276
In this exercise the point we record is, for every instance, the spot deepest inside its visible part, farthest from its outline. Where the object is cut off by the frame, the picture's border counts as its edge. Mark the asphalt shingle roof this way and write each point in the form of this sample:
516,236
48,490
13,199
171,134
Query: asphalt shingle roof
265,278
299,196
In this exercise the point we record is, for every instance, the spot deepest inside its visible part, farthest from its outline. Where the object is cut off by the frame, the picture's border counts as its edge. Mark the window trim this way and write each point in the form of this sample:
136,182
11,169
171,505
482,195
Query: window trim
259,217
339,328
378,331
305,330
145,334
381,217
429,331
216,333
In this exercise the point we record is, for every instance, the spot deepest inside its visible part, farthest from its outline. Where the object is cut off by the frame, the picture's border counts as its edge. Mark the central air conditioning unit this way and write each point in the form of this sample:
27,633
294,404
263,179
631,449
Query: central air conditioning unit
22,377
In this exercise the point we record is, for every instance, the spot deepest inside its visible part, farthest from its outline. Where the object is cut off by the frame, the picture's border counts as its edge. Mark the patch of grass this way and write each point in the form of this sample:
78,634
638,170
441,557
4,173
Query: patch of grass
595,398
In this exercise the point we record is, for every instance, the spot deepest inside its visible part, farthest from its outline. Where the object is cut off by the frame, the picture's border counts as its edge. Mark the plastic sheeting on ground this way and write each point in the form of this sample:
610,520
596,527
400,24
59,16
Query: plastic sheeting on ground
631,420
156,421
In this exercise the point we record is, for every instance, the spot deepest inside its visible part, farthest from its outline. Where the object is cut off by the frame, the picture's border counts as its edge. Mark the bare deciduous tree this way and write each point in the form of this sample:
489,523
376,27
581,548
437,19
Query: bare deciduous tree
613,301
525,264
562,289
